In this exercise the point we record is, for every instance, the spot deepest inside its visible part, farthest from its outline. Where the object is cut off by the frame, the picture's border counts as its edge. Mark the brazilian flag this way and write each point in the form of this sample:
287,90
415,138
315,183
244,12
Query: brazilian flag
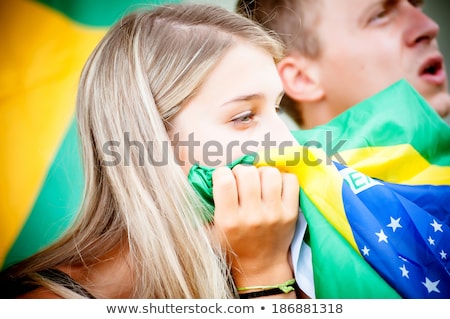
44,47
375,192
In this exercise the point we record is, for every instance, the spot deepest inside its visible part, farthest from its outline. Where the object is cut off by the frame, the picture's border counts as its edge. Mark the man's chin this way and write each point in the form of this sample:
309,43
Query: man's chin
441,104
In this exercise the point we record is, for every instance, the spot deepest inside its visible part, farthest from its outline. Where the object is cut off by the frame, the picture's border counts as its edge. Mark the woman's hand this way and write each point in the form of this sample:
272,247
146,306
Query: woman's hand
256,210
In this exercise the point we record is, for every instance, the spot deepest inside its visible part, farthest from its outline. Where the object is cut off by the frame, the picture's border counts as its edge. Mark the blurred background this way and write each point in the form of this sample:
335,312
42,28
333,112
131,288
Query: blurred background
44,46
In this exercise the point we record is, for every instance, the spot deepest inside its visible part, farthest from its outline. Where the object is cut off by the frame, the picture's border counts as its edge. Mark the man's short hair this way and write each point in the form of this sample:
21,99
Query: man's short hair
293,20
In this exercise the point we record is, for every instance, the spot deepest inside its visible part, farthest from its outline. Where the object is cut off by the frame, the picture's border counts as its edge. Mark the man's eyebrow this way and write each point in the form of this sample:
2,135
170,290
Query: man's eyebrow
244,98
388,4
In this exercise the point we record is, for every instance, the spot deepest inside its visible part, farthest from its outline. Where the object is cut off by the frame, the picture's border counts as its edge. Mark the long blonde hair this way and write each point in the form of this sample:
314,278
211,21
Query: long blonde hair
138,77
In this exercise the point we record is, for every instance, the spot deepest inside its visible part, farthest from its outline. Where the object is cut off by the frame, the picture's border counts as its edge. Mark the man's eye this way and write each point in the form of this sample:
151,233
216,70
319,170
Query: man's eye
379,16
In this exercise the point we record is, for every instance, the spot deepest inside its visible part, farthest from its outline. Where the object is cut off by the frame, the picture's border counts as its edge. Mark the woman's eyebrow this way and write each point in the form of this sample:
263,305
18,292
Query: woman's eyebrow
244,98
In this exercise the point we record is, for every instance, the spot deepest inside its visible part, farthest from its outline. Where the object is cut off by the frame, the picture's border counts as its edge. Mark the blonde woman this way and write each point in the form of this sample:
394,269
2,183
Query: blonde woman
162,87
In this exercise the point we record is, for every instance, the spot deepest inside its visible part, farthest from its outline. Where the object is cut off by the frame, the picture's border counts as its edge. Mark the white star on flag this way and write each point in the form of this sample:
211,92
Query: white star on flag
395,223
365,251
443,254
381,236
437,226
405,271
431,285
431,241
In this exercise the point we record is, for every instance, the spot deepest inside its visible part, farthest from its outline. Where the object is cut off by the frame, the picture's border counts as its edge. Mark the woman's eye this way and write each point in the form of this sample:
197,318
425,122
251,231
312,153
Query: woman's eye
243,118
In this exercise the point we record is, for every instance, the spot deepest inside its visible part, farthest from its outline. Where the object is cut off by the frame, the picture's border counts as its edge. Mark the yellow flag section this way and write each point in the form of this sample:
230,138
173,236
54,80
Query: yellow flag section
41,58
371,161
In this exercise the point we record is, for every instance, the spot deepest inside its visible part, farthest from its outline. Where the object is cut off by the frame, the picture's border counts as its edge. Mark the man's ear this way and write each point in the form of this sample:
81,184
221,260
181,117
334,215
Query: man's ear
301,78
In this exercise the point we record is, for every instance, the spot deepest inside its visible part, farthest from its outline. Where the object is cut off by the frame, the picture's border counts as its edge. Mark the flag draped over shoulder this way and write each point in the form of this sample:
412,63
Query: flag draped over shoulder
44,47
375,191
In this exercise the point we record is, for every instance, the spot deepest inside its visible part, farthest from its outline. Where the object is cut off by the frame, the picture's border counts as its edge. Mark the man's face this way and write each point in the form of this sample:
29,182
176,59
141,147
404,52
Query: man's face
369,44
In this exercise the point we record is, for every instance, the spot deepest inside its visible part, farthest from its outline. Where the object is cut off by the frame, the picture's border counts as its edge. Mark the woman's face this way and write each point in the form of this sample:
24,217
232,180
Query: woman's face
234,112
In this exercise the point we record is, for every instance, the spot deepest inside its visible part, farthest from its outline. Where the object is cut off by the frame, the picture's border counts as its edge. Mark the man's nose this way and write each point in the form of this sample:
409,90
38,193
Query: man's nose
419,27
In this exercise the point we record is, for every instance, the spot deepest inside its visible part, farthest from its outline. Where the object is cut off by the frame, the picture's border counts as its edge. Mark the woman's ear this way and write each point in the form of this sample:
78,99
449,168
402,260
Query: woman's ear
301,78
